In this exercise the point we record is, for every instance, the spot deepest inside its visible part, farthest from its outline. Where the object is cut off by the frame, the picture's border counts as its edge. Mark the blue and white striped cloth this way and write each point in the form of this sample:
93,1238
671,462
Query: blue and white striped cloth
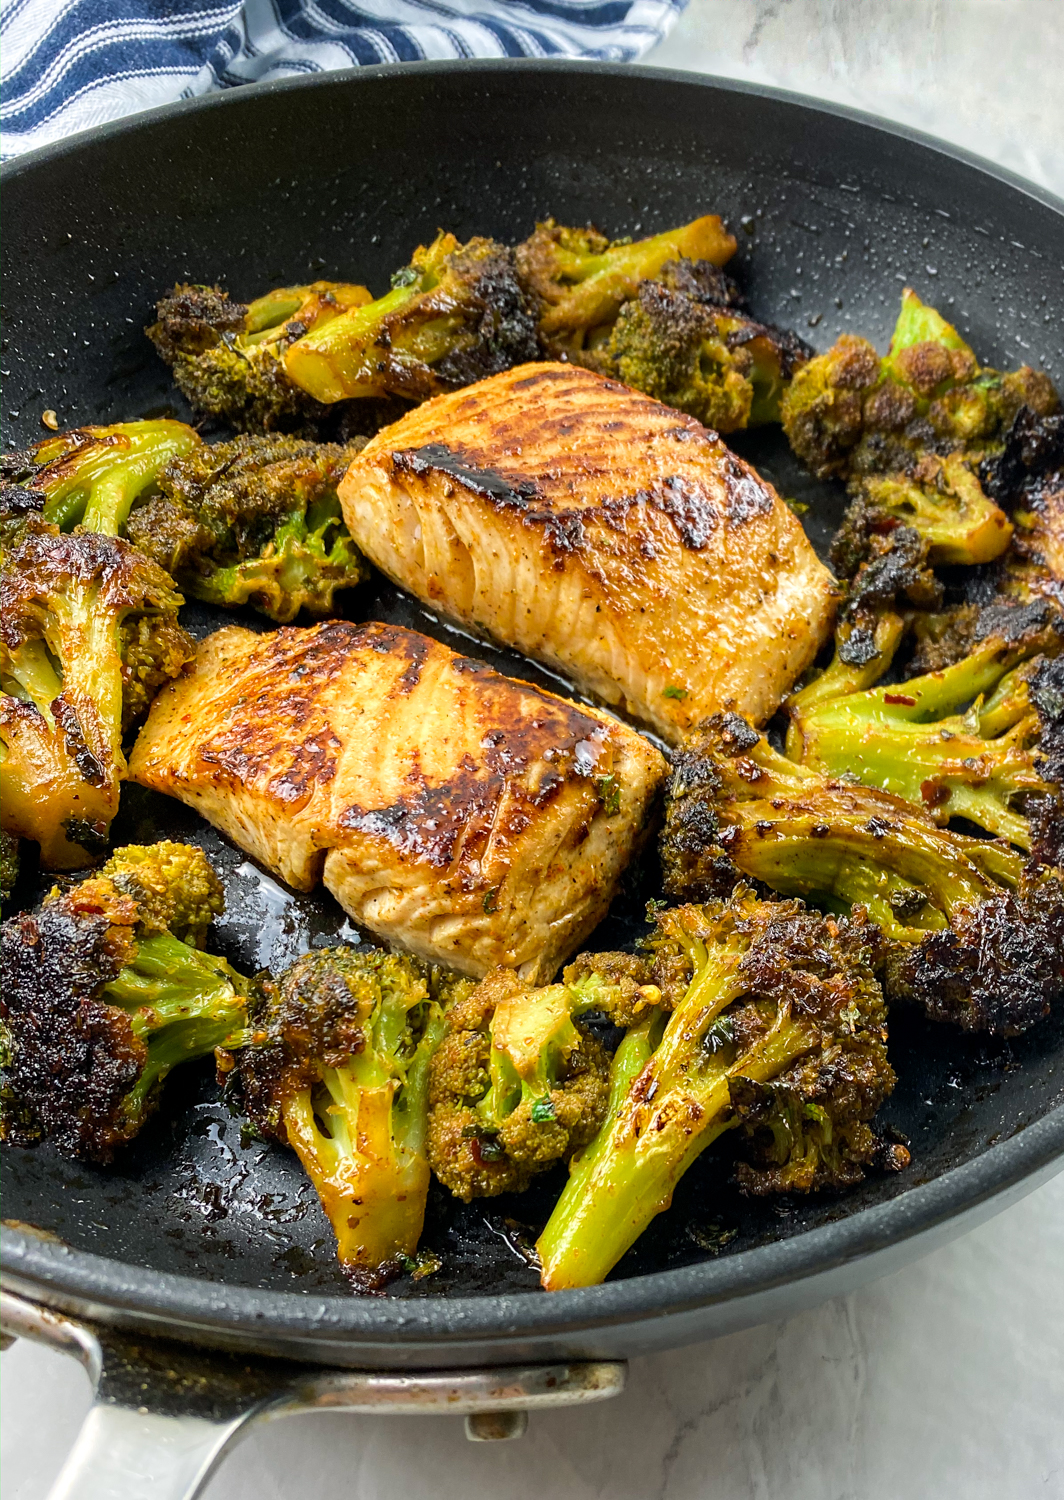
69,64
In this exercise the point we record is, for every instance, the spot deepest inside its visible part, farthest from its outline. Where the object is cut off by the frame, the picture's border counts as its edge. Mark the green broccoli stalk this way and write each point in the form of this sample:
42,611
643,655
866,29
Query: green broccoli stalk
713,362
778,998
254,521
106,990
850,412
737,809
964,742
577,280
519,1082
227,357
88,631
93,476
338,1068
943,500
454,315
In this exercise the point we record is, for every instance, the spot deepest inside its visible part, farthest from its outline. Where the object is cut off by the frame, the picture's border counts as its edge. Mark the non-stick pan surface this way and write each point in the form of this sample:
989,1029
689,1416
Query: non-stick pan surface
341,177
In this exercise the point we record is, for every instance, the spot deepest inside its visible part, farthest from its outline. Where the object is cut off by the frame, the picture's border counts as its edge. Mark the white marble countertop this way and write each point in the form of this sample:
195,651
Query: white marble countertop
944,1379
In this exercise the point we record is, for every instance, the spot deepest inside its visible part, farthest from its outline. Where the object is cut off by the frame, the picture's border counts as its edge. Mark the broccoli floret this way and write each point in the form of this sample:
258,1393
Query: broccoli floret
256,520
577,279
88,631
715,363
943,501
884,563
1027,478
9,864
227,357
92,476
454,315
737,809
850,412
781,1032
105,991
964,741
519,1082
338,1068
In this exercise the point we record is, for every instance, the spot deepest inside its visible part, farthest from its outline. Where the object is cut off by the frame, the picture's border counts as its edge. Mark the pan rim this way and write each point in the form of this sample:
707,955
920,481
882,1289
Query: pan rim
372,72
55,1271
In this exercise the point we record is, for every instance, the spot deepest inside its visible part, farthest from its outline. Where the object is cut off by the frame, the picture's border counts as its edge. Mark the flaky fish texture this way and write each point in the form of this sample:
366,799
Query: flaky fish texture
468,818
601,532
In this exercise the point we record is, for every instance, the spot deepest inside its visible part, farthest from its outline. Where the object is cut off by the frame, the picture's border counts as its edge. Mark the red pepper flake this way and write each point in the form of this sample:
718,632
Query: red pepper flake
901,698
934,793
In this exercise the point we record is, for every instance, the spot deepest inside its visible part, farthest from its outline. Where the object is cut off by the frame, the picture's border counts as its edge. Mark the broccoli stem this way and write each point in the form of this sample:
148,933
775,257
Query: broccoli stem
679,1104
360,1134
837,850
601,282
339,360
914,740
32,676
182,1003
843,677
956,520
97,487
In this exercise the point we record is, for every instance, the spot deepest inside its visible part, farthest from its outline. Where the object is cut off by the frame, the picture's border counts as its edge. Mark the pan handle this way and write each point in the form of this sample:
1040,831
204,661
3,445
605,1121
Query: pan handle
165,1414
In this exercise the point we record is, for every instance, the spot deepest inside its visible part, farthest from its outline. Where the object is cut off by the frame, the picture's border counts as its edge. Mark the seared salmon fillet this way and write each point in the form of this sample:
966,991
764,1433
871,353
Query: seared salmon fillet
469,818
598,531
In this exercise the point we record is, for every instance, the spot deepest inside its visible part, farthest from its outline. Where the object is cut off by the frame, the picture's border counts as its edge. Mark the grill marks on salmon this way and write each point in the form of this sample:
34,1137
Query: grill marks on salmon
598,531
471,819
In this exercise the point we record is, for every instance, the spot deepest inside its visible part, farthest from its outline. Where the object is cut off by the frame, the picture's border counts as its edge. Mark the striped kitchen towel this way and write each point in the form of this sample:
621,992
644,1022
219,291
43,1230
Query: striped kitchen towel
69,64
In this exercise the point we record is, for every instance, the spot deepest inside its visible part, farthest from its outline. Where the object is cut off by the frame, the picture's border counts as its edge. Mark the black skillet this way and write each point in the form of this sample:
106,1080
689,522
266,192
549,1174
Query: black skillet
196,1237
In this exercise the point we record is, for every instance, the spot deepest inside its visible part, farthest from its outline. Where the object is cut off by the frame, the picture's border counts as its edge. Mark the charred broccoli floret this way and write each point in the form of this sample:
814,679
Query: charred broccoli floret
781,1032
454,315
88,632
850,412
578,280
256,520
93,476
228,357
737,809
964,742
519,1082
9,864
105,990
713,362
942,500
1027,478
338,1068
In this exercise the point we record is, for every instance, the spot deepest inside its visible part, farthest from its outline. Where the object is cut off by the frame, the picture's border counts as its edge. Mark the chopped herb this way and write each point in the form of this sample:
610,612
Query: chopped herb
671,691
542,1111
609,793
491,900
424,1263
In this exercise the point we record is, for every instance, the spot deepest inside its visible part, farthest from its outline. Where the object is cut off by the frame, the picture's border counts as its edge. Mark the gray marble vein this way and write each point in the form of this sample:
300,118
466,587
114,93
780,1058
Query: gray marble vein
984,74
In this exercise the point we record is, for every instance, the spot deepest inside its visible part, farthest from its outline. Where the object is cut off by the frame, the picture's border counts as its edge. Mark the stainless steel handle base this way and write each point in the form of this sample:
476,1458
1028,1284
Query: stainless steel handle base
165,1414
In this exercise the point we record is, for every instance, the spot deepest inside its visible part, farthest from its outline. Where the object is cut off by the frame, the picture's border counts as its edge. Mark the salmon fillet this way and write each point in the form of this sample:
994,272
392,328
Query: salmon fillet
466,817
603,533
